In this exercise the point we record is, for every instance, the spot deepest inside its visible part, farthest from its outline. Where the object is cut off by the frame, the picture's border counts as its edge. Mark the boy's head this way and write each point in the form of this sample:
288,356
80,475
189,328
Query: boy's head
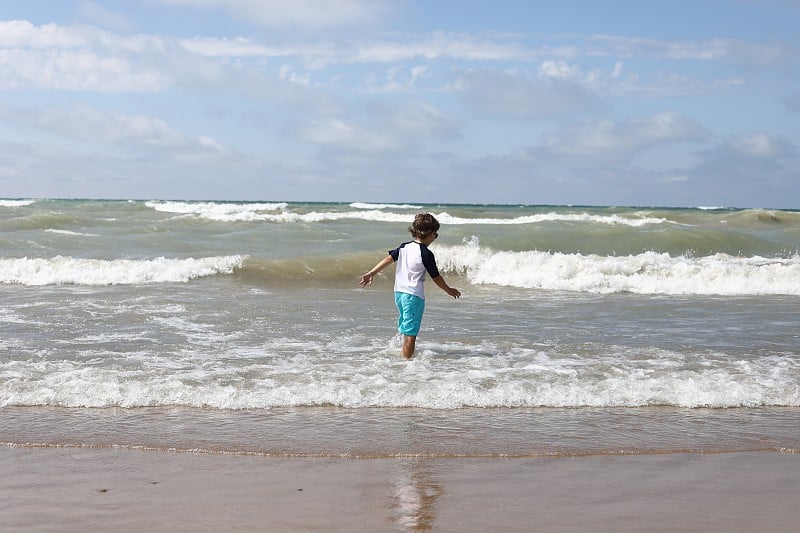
424,225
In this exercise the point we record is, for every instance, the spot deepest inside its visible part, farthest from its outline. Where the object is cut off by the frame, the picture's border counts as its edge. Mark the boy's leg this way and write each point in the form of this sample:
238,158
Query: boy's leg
409,343
410,309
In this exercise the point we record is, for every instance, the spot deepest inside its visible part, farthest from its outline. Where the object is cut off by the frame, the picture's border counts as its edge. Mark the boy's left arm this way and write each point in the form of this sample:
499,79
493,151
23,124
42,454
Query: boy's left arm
439,280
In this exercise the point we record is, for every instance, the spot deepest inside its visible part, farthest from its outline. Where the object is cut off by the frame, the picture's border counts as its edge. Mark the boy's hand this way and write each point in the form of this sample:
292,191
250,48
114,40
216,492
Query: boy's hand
455,293
366,280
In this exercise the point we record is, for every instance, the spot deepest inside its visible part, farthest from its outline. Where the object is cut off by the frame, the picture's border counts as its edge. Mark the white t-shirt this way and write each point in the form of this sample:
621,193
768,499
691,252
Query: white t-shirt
413,260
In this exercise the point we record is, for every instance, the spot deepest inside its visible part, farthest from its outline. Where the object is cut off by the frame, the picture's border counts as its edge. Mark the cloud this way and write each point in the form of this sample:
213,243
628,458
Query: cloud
321,53
760,149
593,162
382,129
77,58
607,141
83,58
82,123
754,170
103,16
51,171
397,79
554,91
762,146
737,50
302,14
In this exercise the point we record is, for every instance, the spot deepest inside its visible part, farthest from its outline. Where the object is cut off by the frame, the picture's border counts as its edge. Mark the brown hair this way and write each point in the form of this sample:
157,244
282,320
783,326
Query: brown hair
424,224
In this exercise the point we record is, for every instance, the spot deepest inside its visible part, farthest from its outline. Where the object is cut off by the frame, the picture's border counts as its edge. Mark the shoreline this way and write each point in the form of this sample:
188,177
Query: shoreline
331,432
79,489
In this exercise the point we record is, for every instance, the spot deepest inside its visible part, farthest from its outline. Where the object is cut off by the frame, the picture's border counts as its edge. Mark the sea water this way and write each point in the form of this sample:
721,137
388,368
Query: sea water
238,327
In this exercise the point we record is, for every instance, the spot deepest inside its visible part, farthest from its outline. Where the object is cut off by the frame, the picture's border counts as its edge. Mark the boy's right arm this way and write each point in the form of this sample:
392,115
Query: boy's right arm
366,279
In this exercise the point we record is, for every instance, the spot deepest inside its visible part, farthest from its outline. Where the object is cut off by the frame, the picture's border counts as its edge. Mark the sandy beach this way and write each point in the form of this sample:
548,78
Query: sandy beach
100,489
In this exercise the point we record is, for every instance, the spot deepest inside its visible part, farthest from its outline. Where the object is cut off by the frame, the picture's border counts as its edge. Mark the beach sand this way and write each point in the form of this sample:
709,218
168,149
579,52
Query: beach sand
118,489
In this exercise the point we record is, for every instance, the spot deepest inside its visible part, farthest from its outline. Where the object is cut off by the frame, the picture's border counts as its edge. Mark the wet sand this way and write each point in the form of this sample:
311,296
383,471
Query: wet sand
102,489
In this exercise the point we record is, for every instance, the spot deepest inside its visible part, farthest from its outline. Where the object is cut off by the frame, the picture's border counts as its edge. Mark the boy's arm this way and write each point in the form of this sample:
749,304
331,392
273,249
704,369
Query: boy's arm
439,280
366,279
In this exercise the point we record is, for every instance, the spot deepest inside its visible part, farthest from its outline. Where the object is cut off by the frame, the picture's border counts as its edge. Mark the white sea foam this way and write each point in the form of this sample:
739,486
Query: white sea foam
224,212
70,233
520,378
16,203
613,220
247,212
77,271
363,205
645,273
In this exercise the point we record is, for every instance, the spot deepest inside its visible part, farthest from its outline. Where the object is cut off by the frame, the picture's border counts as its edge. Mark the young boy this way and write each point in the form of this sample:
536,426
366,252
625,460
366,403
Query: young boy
413,259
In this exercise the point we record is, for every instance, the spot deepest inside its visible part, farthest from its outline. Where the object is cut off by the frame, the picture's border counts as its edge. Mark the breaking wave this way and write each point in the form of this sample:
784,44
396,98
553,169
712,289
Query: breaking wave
78,271
645,273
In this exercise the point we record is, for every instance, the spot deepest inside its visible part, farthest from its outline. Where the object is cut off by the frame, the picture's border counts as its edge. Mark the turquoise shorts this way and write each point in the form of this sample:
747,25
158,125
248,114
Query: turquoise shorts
410,308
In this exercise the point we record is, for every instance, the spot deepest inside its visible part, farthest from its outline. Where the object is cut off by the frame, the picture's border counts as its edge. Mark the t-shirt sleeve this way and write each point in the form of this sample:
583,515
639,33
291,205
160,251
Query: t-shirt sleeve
395,253
429,261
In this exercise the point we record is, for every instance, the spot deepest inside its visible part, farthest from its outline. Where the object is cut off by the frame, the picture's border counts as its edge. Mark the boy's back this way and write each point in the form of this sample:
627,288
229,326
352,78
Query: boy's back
412,260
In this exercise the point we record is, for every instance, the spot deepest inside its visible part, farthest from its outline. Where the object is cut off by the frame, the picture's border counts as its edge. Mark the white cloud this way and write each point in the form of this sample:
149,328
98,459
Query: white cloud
82,123
349,135
237,47
82,58
383,129
22,34
521,96
438,46
77,58
741,51
305,14
397,79
761,145
318,54
103,16
558,70
607,141
755,162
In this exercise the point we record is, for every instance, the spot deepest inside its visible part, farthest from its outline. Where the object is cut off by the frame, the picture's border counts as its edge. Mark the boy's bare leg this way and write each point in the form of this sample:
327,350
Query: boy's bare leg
409,343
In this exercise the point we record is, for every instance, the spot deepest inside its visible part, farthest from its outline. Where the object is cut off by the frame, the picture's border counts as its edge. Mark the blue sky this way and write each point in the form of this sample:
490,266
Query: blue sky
659,103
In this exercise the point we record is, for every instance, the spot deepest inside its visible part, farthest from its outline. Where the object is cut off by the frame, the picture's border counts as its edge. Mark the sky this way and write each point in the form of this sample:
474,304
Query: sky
623,103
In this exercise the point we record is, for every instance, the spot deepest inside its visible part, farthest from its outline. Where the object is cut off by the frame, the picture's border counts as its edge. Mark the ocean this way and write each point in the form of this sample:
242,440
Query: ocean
239,328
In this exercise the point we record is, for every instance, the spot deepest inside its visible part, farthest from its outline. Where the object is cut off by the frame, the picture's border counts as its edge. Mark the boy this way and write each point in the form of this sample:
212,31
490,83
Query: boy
413,259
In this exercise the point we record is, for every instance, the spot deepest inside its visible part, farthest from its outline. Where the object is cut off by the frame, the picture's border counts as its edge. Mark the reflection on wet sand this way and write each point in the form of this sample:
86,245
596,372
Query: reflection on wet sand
416,493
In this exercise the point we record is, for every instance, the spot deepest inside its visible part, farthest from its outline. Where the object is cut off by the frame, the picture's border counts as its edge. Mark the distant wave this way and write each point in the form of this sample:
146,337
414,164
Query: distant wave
362,205
645,273
225,212
16,203
70,233
77,271
266,212
614,220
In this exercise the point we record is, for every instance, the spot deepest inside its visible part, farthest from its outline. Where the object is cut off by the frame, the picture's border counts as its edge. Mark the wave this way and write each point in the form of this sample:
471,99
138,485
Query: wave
645,273
224,212
70,233
78,271
16,203
265,212
760,218
437,379
613,220
363,205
